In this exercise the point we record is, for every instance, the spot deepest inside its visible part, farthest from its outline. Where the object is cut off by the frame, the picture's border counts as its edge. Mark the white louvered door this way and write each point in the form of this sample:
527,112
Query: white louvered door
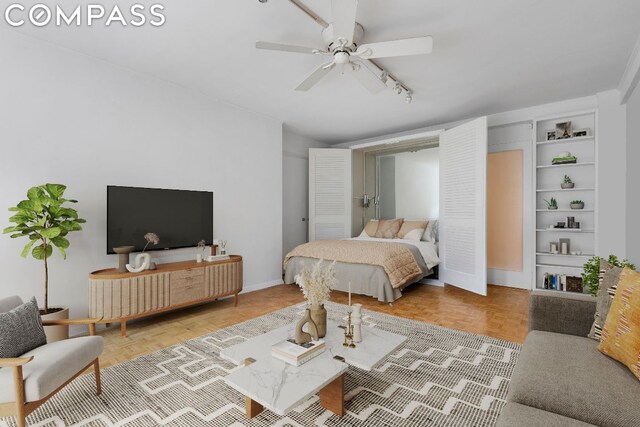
463,177
329,193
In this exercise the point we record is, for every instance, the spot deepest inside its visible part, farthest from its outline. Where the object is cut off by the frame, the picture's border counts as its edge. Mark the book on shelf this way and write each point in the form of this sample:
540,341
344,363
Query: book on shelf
297,354
562,282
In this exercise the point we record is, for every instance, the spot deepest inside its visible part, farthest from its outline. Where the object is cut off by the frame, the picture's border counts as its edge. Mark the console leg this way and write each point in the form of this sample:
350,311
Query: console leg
332,396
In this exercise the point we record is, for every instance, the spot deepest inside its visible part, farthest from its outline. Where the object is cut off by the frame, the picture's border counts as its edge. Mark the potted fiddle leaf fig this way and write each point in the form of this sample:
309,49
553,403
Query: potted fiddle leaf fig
45,219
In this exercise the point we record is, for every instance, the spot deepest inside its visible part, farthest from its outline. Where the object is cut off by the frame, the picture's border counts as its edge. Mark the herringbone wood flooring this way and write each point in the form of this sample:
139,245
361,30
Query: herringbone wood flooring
502,314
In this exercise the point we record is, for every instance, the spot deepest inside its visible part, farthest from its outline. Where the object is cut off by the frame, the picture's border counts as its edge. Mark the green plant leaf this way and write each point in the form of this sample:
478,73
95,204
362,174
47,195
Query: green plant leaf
10,230
60,242
39,252
68,212
50,233
27,248
35,193
55,190
22,217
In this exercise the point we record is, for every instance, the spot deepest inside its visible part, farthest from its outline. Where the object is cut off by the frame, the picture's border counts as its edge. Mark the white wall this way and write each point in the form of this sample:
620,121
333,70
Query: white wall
418,184
633,177
70,119
611,177
295,188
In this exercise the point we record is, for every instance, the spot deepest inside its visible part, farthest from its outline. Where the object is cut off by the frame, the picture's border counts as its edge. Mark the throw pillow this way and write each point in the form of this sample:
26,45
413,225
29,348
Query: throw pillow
621,332
371,227
608,282
388,228
410,229
21,330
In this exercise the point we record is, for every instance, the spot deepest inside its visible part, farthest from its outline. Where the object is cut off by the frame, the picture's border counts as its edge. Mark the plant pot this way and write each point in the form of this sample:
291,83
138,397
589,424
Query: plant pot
319,317
56,333
566,185
554,208
577,205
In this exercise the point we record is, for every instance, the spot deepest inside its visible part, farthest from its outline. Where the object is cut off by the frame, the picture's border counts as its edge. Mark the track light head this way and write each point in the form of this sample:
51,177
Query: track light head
409,98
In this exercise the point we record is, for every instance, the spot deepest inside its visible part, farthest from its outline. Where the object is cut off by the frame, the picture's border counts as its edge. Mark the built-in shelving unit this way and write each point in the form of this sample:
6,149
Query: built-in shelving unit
547,180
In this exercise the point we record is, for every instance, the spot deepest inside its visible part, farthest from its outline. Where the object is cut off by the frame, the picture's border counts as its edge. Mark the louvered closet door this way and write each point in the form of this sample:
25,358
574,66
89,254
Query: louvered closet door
463,166
329,193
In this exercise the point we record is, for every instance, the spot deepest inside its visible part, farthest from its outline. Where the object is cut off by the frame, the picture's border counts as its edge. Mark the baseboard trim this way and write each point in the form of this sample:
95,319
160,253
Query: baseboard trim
258,286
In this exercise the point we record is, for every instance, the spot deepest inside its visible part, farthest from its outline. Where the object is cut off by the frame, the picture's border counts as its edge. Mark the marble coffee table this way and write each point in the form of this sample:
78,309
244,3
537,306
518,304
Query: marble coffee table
267,382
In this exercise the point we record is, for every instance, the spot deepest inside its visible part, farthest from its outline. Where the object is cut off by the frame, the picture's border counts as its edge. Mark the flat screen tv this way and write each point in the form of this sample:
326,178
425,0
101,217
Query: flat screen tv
181,218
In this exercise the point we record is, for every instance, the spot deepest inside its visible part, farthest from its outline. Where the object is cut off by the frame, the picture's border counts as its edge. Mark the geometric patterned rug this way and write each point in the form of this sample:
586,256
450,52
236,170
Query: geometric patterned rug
438,377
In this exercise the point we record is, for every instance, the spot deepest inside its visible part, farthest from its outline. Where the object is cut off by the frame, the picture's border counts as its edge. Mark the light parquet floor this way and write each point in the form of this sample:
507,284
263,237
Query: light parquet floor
501,314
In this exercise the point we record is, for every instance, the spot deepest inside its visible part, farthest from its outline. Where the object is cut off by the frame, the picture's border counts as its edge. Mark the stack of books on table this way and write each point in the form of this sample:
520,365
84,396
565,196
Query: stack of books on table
297,354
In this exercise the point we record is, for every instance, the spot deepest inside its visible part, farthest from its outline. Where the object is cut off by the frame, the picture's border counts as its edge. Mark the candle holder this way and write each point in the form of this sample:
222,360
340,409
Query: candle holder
348,333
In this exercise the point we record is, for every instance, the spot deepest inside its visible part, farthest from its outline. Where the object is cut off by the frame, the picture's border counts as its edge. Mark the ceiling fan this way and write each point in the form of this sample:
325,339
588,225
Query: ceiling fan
342,44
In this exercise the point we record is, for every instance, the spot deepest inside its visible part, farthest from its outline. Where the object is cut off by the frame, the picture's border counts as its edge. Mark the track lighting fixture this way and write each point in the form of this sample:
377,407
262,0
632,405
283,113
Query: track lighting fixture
384,76
409,98
398,88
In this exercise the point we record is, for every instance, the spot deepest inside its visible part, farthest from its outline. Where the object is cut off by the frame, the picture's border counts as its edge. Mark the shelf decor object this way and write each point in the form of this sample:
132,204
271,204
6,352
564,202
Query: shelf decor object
564,154
118,297
567,183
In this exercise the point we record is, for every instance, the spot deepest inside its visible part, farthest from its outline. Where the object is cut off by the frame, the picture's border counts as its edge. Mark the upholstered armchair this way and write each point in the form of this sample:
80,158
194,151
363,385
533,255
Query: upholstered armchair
28,381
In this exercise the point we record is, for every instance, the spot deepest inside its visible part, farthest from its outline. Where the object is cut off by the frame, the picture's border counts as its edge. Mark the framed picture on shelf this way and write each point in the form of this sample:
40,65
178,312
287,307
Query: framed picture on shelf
550,135
581,132
563,130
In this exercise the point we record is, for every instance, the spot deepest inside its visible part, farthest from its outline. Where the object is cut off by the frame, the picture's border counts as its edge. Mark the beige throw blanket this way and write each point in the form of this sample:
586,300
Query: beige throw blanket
397,260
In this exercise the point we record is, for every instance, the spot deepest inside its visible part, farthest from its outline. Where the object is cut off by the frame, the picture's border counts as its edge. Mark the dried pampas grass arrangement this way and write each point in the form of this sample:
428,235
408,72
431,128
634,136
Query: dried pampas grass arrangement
317,284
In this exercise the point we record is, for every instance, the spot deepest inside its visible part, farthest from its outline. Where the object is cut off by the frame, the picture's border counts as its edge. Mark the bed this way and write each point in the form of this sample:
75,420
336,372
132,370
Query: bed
380,268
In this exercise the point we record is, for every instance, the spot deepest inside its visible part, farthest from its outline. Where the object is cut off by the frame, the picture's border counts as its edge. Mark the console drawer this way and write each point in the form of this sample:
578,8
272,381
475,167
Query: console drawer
186,288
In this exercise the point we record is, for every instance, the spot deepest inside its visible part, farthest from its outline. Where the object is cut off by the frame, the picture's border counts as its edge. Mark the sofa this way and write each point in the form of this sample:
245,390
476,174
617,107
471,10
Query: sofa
560,378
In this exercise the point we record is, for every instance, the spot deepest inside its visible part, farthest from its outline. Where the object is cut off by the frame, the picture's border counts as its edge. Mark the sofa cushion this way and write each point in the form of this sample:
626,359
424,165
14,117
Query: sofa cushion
567,375
514,414
21,330
621,333
52,365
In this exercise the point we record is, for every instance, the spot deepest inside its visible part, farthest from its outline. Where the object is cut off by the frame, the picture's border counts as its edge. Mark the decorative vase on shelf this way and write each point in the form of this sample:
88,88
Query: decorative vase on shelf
123,257
356,321
319,317
303,337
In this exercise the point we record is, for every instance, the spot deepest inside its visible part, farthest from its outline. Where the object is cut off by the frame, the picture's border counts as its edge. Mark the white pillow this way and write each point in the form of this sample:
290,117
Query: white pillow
431,232
414,235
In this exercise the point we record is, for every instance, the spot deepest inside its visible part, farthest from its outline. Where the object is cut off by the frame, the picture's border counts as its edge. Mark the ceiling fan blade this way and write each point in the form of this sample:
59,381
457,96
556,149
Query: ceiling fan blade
287,48
415,46
344,19
369,78
315,77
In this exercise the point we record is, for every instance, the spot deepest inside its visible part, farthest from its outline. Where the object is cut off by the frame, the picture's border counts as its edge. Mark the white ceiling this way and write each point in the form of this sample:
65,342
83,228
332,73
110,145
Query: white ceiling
489,56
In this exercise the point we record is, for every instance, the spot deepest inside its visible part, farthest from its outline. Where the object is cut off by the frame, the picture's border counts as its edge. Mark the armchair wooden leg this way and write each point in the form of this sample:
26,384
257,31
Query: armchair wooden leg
96,368
18,381
123,328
